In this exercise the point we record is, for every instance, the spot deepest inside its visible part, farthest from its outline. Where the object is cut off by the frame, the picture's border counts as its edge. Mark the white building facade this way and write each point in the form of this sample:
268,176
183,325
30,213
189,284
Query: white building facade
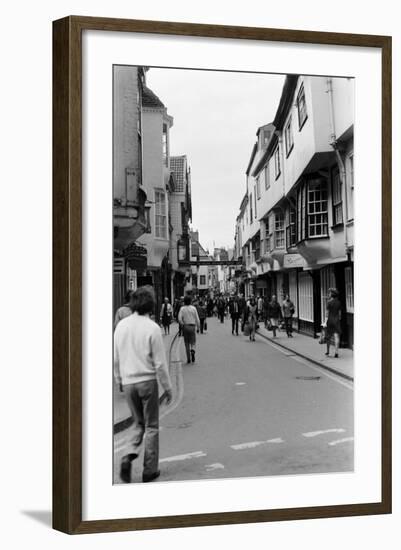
300,188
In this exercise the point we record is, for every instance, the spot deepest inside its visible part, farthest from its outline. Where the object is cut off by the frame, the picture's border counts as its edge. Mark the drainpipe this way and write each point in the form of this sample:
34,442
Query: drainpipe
340,162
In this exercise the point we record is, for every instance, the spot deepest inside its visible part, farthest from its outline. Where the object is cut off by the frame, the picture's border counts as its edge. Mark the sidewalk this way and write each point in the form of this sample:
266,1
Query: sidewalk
309,348
122,415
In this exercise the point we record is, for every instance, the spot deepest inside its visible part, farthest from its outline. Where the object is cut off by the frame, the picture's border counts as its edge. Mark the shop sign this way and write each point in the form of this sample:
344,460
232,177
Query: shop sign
294,260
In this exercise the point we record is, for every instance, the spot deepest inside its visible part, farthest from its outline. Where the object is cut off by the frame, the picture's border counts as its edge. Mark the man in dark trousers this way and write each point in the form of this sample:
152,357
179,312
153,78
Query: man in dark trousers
221,308
235,313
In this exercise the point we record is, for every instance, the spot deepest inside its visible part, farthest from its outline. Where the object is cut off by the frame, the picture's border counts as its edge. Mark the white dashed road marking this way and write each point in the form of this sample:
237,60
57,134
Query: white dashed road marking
338,441
216,466
253,444
320,432
187,456
240,383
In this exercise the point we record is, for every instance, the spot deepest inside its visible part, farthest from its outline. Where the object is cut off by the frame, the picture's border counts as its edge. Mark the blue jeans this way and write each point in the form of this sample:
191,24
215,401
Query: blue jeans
143,401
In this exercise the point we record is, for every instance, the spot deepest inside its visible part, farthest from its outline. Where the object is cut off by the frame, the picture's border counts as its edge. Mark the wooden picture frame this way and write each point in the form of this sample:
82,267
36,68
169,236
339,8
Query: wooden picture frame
67,273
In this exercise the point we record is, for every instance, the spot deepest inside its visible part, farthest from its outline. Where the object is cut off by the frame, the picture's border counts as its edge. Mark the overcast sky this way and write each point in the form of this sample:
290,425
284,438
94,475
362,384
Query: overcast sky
216,116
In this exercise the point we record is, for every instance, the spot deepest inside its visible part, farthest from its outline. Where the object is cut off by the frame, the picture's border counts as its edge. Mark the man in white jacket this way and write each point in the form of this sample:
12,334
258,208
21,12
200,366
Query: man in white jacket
139,358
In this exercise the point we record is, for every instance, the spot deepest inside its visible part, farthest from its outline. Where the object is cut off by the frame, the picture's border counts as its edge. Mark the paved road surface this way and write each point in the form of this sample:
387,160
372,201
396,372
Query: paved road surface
248,409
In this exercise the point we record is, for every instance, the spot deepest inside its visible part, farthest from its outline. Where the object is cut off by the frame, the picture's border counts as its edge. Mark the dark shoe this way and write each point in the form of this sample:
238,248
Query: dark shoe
327,353
193,355
150,477
336,355
125,468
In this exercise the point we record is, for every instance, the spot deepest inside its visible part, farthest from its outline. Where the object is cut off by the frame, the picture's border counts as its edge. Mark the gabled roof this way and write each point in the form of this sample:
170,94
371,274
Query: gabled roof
286,100
150,99
283,109
255,148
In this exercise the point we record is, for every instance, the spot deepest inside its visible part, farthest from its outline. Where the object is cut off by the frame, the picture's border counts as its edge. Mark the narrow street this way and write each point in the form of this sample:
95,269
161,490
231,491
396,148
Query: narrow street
248,409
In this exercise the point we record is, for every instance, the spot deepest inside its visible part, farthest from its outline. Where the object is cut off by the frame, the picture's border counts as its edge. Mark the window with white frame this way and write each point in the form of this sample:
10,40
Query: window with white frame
279,236
349,290
254,194
291,227
267,177
337,199
258,187
202,280
160,214
289,137
269,232
301,107
277,166
312,214
317,224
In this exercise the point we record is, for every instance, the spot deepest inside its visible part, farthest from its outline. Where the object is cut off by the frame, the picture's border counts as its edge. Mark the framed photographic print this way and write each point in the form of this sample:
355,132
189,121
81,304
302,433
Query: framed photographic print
222,275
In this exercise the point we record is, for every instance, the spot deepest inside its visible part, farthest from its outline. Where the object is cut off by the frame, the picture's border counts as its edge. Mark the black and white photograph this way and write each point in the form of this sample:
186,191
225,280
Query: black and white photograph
233,269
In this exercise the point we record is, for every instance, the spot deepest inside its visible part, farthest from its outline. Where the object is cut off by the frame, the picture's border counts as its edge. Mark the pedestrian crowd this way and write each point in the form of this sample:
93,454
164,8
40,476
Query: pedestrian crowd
140,362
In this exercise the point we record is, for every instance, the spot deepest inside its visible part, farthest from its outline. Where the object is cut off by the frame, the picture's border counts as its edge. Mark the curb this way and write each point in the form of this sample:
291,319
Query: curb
308,358
125,423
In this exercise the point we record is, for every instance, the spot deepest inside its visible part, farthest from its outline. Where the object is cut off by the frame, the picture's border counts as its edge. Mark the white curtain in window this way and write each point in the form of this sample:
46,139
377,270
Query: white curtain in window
305,289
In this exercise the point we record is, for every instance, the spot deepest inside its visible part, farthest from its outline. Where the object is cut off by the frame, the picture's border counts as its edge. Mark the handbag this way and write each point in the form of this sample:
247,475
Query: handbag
246,329
323,336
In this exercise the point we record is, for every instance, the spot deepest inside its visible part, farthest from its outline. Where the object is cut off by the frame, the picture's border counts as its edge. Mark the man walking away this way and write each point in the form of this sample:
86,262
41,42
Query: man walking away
221,308
166,315
189,321
125,309
235,313
274,314
201,309
139,359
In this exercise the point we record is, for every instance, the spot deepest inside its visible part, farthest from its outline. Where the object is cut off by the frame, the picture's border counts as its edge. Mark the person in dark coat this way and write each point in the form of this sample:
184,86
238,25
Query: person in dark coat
251,317
210,306
274,314
201,309
221,308
288,312
265,310
235,311
333,321
166,315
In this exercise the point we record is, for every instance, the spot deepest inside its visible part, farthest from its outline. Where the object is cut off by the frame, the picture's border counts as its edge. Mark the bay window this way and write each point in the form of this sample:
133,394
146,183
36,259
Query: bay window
312,209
